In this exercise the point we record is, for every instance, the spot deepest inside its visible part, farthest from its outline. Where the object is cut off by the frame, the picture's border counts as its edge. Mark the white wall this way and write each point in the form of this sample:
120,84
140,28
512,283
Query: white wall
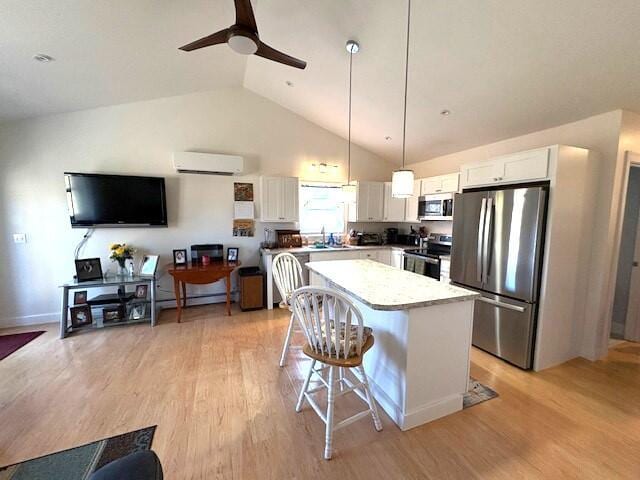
139,138
605,136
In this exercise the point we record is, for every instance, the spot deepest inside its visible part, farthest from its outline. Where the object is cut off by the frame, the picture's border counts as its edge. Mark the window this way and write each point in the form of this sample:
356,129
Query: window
321,205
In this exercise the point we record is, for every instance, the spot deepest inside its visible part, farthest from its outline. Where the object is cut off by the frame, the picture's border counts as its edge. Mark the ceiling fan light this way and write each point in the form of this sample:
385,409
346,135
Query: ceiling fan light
242,44
402,184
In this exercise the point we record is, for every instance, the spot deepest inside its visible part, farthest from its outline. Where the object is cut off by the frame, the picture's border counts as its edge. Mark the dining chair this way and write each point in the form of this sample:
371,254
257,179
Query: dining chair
287,275
337,338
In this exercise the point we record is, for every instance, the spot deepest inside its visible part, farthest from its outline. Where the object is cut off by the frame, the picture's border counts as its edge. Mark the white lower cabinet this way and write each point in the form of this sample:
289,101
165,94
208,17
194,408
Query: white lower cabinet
369,255
384,256
333,255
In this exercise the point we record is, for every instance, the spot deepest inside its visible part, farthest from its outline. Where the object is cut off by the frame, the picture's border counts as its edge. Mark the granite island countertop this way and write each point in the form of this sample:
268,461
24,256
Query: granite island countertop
382,287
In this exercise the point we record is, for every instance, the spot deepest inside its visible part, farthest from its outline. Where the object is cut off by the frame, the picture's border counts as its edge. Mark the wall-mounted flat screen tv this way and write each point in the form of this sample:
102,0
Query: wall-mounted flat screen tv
97,200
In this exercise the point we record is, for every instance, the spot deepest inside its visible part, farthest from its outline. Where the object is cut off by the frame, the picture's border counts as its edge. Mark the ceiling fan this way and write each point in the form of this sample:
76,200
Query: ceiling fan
243,38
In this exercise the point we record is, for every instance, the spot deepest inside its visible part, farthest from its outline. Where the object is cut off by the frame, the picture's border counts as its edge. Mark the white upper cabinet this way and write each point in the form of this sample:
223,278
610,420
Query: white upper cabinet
411,208
531,165
279,199
518,167
369,206
394,208
439,184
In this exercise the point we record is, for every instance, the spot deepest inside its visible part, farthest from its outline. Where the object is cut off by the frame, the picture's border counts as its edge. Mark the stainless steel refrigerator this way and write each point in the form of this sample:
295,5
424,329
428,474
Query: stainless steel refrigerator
498,241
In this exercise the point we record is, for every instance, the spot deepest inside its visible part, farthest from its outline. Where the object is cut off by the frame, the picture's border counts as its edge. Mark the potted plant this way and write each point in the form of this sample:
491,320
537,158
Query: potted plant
120,252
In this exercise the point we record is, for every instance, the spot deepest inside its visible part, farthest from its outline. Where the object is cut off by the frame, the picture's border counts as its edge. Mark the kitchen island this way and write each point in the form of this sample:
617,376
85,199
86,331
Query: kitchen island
419,365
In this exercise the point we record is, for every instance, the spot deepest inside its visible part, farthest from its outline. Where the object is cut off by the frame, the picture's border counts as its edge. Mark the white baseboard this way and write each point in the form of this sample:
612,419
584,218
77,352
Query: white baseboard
419,416
53,317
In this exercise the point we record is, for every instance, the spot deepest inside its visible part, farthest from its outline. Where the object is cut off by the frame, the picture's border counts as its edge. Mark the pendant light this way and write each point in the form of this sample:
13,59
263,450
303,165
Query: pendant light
349,189
402,180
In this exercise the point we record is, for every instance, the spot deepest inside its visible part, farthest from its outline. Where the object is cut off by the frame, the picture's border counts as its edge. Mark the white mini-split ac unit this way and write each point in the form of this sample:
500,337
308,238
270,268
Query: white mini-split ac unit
207,163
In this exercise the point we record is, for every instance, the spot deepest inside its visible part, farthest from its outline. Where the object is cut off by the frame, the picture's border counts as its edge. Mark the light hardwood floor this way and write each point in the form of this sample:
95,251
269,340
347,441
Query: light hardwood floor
224,408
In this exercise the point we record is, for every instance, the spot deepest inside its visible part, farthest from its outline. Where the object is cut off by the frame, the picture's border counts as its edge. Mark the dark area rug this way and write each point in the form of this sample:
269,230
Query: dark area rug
80,462
15,341
476,394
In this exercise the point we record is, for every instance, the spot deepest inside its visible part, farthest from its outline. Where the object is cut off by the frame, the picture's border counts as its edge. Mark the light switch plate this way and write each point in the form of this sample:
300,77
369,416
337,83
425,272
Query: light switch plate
19,238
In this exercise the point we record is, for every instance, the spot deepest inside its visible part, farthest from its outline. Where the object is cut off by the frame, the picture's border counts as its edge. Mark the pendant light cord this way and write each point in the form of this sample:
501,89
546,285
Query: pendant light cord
406,83
349,151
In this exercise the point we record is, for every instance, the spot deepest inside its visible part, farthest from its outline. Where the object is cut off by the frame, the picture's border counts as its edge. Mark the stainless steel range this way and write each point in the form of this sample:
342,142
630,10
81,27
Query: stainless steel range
428,259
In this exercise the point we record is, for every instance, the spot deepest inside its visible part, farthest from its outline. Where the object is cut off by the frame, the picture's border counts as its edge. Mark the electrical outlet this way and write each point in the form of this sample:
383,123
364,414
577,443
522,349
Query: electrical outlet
19,238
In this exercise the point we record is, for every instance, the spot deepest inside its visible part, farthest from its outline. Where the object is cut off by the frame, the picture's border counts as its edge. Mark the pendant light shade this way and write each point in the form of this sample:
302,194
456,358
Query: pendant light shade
402,180
402,184
349,189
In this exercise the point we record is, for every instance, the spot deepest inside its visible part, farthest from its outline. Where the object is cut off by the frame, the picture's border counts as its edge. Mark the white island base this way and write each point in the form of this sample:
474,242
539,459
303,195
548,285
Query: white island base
419,364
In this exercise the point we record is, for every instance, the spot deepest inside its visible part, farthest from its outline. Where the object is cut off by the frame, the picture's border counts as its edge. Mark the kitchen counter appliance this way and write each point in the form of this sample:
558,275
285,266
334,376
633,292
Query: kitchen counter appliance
428,259
435,207
369,239
498,251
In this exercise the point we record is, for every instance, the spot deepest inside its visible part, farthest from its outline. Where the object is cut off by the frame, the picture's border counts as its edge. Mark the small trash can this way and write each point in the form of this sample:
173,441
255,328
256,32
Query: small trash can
252,295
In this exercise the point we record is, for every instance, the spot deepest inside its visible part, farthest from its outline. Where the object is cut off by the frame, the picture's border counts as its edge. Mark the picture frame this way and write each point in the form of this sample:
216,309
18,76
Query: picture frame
80,297
113,314
149,265
88,269
138,311
80,316
180,257
141,291
232,254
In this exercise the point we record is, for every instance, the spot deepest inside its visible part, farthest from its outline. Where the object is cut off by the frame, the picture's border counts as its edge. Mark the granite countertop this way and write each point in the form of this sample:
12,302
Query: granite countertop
312,249
382,287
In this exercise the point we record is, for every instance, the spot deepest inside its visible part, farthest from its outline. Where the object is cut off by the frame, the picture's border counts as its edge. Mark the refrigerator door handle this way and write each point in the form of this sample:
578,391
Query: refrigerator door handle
483,211
496,303
488,218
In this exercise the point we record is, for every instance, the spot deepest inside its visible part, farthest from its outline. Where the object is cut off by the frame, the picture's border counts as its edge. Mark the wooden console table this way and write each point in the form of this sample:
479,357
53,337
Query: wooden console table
200,275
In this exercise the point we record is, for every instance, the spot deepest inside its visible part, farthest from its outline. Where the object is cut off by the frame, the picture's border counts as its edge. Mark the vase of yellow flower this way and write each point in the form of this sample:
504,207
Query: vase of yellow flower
120,252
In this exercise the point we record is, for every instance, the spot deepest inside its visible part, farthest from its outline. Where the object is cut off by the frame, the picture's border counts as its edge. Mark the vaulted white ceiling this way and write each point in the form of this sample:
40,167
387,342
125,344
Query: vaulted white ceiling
503,68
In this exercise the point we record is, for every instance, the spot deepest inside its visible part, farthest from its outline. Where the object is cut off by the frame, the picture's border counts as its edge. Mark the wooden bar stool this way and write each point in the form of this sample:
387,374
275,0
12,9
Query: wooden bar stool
337,338
287,275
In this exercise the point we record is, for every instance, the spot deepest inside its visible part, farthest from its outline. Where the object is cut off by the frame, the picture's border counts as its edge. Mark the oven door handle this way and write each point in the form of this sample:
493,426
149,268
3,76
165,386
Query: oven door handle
432,261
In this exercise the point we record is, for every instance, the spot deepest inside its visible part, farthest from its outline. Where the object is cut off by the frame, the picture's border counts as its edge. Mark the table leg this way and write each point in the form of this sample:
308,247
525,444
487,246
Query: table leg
63,316
184,294
176,289
227,280
153,302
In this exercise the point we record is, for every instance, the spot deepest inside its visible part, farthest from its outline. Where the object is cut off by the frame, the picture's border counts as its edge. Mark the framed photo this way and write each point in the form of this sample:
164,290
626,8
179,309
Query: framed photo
138,311
232,254
113,314
149,265
81,316
141,291
180,257
243,192
79,297
88,269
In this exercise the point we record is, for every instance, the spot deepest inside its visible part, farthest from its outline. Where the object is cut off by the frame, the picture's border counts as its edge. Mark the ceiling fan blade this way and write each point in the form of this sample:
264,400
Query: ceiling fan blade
265,51
213,39
244,15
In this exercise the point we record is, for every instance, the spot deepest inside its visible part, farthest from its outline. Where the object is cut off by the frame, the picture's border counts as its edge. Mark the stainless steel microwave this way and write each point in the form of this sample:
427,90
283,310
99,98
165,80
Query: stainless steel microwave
436,207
